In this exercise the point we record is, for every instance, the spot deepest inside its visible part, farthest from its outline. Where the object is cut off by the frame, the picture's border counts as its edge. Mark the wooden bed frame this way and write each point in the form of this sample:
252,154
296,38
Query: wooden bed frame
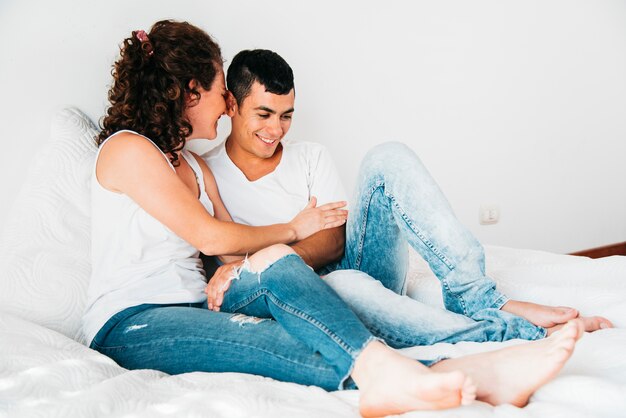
606,251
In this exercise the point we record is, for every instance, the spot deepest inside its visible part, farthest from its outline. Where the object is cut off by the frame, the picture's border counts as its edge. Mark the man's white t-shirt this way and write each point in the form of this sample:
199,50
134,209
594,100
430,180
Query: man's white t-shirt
306,169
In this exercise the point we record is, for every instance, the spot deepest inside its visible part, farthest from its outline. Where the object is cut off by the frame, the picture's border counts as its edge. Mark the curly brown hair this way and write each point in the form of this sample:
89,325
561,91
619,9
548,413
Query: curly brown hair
151,83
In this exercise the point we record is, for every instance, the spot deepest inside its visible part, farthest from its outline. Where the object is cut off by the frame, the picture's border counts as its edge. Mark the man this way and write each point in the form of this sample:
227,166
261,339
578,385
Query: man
264,179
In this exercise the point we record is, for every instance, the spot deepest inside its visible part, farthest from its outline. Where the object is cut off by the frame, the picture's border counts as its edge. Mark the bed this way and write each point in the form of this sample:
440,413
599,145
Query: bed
45,370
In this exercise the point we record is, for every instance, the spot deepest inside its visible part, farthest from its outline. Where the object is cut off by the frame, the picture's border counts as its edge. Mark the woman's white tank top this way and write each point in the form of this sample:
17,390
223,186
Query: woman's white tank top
135,258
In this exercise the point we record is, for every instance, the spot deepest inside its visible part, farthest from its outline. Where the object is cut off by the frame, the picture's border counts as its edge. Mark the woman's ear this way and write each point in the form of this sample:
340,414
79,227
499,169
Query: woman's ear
191,99
231,104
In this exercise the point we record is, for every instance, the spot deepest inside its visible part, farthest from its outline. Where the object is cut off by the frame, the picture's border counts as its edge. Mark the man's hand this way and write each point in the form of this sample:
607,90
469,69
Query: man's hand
315,218
219,284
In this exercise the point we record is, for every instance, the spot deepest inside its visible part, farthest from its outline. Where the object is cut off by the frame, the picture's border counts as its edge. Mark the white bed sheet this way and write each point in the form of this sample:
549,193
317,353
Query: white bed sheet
44,373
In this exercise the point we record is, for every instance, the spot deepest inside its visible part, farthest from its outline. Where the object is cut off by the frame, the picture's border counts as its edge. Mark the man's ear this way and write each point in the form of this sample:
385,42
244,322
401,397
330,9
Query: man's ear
231,104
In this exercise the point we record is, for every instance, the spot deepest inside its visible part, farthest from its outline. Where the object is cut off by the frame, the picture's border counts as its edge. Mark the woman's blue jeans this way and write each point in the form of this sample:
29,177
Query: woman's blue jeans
313,337
397,204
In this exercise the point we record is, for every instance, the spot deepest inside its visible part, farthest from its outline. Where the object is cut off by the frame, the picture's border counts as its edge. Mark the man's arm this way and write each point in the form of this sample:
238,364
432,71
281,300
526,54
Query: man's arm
324,182
323,247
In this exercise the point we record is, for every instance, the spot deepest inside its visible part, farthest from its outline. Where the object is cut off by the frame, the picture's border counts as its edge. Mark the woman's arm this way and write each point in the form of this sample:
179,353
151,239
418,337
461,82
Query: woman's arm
219,209
210,186
130,164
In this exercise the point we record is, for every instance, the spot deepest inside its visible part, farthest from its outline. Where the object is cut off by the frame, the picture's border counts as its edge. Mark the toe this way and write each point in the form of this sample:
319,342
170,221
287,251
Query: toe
468,393
566,312
604,323
595,323
571,330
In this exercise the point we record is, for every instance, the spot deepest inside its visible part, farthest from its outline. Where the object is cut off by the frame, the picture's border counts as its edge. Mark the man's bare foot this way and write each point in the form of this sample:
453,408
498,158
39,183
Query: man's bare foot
393,384
540,315
590,323
513,374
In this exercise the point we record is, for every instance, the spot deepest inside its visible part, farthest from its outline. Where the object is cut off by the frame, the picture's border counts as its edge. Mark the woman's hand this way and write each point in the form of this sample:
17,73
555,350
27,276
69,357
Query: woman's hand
313,219
219,284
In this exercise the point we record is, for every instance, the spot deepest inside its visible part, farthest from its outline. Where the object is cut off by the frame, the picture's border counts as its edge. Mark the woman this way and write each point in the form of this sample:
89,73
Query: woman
152,209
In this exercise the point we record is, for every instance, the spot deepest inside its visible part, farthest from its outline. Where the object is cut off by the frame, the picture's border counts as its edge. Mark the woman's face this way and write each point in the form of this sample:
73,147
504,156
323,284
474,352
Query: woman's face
204,113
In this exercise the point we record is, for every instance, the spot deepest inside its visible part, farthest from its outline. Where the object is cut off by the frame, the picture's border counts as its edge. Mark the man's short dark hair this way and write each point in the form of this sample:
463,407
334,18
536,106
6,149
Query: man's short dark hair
266,67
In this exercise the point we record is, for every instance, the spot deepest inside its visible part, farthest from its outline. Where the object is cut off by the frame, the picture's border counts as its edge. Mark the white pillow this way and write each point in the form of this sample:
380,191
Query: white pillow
45,248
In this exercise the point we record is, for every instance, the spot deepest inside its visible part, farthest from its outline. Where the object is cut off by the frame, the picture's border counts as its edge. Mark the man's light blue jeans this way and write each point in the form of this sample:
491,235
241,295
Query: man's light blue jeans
399,204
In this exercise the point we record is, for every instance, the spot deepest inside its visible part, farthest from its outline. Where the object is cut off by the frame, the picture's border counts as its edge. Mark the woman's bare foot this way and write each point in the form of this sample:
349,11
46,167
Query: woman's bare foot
393,384
541,315
513,374
590,323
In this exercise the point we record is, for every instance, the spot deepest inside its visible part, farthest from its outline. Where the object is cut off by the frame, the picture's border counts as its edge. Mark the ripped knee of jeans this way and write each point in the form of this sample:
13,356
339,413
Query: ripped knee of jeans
236,273
266,257
261,261
242,319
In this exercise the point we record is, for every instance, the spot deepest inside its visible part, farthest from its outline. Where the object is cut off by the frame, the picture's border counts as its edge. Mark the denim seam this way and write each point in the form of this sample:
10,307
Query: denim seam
460,298
430,246
344,346
496,304
372,189
500,302
291,310
366,211
419,233
166,341
390,337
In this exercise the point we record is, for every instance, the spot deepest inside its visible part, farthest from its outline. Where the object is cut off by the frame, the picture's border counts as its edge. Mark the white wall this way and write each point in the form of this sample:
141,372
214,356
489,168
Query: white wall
519,103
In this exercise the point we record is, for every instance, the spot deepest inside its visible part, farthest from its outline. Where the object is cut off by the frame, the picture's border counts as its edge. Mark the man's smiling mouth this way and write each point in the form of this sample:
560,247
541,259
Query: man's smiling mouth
266,140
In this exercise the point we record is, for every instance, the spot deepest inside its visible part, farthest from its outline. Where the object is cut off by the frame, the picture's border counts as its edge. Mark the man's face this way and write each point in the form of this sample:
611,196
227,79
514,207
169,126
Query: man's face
261,121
